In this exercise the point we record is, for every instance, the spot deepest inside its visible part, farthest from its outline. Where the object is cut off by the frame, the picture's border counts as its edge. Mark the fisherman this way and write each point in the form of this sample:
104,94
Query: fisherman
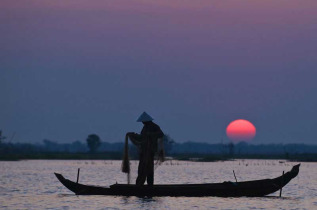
149,142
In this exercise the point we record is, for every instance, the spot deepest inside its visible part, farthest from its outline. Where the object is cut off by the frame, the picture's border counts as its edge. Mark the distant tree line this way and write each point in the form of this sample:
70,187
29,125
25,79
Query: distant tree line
243,148
93,144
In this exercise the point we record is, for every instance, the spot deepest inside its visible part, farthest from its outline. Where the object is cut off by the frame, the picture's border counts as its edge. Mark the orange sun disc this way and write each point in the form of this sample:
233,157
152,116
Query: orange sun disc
241,130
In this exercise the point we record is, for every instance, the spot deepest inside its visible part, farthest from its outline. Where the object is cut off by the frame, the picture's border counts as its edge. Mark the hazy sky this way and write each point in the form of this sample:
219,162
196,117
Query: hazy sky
72,68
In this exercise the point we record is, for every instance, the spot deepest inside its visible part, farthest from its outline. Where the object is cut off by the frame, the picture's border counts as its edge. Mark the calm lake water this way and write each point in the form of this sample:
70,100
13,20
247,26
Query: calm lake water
32,185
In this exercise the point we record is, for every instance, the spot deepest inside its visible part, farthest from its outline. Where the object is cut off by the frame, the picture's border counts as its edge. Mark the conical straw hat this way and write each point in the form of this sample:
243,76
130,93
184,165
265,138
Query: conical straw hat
144,117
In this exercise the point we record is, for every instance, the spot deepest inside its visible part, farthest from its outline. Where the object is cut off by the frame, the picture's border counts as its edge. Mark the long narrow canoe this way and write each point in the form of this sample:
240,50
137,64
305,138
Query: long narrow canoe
226,189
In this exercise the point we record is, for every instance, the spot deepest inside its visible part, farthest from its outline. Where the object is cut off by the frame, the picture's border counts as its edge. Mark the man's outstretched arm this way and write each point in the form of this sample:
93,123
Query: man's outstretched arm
135,138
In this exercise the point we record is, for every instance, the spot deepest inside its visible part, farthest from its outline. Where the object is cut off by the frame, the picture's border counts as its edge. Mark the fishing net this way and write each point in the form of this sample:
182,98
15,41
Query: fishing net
146,145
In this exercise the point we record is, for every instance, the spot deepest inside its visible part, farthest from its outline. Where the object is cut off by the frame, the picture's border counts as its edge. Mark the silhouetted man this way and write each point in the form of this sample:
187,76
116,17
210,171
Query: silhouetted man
148,141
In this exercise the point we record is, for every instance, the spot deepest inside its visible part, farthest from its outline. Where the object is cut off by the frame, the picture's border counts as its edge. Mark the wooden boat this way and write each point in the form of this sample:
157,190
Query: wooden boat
225,189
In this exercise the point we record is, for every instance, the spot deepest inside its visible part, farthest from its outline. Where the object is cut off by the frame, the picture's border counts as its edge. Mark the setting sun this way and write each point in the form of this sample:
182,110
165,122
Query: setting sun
241,130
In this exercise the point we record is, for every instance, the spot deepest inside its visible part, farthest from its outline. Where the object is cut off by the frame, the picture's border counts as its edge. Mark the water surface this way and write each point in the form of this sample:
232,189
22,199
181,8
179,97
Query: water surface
31,184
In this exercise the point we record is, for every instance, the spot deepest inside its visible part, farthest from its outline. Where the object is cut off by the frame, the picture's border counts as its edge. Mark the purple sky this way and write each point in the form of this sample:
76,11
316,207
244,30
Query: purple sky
69,69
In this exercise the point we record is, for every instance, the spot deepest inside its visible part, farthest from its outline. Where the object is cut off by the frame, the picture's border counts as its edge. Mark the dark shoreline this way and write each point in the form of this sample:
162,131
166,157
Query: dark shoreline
185,156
